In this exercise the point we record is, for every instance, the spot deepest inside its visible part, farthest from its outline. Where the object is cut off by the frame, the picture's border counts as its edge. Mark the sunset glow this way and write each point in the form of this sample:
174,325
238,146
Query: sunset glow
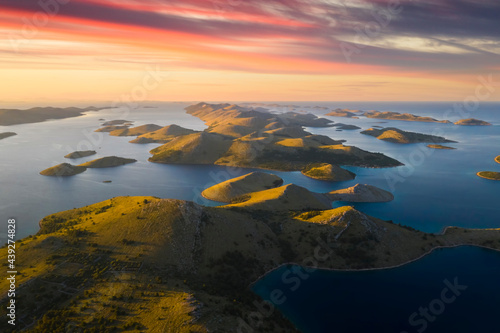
82,50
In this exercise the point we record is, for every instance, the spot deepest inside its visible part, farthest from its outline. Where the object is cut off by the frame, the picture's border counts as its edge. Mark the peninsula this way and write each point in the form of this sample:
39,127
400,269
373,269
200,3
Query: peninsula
396,135
39,114
328,172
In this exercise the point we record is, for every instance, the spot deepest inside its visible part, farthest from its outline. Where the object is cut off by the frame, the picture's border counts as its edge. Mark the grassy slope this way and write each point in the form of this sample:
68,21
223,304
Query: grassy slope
142,263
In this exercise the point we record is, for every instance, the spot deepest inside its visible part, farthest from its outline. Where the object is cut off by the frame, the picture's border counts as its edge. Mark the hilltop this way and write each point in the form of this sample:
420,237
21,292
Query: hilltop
232,188
328,172
472,122
5,135
108,162
243,137
39,114
63,170
135,131
80,154
163,135
361,193
150,264
396,135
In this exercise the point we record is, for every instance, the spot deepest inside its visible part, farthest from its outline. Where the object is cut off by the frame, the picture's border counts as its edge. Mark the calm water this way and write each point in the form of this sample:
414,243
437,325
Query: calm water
437,188
385,300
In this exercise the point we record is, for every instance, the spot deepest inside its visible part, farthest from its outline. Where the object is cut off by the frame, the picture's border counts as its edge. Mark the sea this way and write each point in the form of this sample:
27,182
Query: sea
433,190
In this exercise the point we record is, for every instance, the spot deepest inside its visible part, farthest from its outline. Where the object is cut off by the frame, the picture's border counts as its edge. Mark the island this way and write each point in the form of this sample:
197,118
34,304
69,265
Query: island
440,147
361,193
236,187
472,122
5,135
497,159
395,135
39,114
401,116
63,170
136,263
345,126
108,162
135,131
117,122
347,113
111,128
163,135
244,137
80,154
491,175
328,172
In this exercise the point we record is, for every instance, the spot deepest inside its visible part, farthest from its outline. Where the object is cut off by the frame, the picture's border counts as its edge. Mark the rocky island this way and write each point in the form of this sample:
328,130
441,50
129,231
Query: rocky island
396,135
328,172
63,170
401,116
5,135
238,136
472,122
80,154
195,261
236,187
108,162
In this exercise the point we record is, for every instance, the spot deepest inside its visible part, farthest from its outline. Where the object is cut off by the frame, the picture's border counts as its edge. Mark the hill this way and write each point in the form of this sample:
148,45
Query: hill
162,265
39,114
472,122
108,162
328,172
135,131
63,170
361,193
5,135
396,135
80,154
163,135
401,116
232,188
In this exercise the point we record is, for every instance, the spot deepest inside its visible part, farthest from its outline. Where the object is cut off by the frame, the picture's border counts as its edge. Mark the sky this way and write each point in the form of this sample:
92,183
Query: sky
248,50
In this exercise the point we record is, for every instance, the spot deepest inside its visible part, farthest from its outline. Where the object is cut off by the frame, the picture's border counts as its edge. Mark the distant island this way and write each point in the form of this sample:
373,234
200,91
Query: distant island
244,137
5,135
348,113
328,172
111,128
80,154
472,122
497,159
395,135
39,114
117,122
192,263
492,175
63,170
346,126
135,131
108,162
401,116
440,147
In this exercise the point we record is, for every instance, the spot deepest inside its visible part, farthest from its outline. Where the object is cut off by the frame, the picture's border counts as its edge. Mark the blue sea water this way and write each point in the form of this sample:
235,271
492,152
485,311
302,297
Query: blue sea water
391,300
435,189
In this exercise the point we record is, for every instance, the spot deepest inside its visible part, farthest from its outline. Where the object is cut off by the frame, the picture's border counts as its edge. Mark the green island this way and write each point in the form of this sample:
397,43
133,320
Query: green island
243,137
472,122
159,265
39,114
108,162
63,170
395,135
440,147
80,154
5,135
327,172
492,175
